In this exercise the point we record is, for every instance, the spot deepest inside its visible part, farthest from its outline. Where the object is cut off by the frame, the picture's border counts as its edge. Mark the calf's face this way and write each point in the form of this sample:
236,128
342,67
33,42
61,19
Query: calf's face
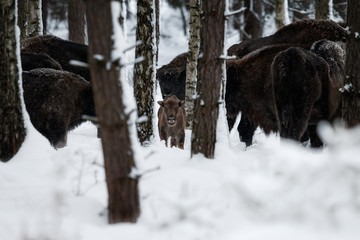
171,107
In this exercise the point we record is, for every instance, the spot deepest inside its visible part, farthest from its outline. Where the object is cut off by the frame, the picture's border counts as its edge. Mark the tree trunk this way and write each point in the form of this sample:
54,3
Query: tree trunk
144,71
12,130
76,21
192,58
34,20
22,18
157,35
210,74
44,13
253,19
351,98
108,96
279,18
322,9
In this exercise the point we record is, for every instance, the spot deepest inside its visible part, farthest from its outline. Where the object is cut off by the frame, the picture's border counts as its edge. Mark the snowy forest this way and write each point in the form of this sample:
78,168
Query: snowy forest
179,119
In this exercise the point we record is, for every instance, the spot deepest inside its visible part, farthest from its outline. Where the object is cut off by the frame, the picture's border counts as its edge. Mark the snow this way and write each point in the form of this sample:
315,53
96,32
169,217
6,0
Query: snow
275,189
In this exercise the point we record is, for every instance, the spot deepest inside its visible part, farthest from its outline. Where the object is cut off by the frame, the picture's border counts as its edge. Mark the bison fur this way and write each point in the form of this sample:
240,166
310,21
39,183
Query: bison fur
171,123
56,101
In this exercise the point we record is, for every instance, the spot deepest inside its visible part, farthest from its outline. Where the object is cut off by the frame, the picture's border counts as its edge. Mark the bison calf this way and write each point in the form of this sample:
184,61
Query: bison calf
171,116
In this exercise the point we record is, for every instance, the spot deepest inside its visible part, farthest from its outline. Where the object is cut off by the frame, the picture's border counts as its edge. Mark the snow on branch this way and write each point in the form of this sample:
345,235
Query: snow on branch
133,46
230,13
78,63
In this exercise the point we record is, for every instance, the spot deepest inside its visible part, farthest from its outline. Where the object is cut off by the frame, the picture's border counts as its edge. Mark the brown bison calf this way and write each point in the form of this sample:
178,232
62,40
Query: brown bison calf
171,116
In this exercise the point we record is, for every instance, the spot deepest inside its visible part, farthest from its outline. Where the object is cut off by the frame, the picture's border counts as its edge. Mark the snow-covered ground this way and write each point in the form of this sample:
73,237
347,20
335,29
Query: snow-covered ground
274,189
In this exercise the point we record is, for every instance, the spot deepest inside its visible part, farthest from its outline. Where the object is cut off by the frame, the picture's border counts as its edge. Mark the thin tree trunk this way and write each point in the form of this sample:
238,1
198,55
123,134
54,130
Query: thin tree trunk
351,98
144,71
157,35
210,74
22,18
322,9
34,21
12,130
76,21
192,58
44,13
108,96
279,18
253,19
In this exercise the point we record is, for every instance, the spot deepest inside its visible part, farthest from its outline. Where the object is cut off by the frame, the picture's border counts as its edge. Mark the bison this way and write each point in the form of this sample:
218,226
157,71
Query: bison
30,60
56,101
304,32
61,50
250,90
301,88
172,77
171,123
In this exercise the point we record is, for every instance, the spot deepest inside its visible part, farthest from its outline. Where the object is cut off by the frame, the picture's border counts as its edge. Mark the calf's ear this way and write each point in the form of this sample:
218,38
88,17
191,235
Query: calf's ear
181,103
161,103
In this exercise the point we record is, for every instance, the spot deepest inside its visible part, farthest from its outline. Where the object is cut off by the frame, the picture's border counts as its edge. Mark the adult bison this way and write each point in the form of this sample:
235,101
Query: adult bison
30,60
171,123
172,77
61,50
304,32
56,101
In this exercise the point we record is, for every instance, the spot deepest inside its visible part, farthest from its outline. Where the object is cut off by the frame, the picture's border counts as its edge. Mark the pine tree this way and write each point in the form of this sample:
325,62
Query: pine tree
210,74
115,133
351,96
76,21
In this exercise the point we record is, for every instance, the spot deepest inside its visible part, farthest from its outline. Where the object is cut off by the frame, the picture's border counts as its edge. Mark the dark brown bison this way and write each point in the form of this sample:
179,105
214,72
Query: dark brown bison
334,54
172,77
56,101
250,90
30,60
171,123
304,32
61,50
301,87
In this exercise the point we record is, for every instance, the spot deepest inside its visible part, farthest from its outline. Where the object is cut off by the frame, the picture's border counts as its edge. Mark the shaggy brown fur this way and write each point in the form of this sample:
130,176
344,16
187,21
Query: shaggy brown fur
31,61
56,101
61,50
304,32
171,123
249,90
301,81
334,54
172,77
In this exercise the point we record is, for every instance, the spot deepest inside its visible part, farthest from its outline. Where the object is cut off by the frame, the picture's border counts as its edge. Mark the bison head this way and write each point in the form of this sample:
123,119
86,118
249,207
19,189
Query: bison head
171,107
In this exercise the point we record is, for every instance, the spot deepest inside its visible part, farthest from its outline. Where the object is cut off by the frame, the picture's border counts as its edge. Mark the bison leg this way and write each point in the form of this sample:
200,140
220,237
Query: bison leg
315,140
246,130
181,140
163,135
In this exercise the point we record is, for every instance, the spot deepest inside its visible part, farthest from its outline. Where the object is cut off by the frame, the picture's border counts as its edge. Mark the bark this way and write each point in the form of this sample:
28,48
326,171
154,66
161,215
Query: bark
115,134
157,35
12,130
192,58
76,21
351,97
144,71
44,13
322,10
22,18
210,72
34,20
280,16
253,19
